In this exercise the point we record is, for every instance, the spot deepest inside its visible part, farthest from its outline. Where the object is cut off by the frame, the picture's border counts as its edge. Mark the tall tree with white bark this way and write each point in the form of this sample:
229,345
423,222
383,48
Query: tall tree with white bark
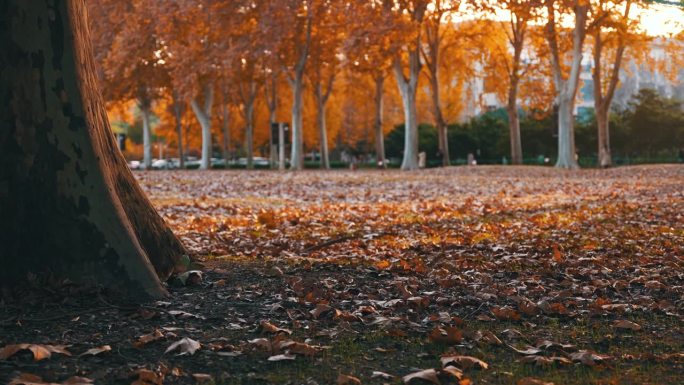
566,82
407,67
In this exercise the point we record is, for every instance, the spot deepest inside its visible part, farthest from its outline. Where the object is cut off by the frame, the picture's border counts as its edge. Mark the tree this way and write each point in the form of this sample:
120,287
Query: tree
131,56
613,32
566,82
437,17
289,25
370,50
196,42
516,28
60,170
410,14
327,39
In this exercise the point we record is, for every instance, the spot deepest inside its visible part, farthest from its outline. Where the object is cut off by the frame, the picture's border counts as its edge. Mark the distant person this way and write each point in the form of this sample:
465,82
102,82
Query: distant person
421,159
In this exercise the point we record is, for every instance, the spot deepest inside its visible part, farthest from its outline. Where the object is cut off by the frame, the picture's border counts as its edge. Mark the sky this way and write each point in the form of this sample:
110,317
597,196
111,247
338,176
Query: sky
662,20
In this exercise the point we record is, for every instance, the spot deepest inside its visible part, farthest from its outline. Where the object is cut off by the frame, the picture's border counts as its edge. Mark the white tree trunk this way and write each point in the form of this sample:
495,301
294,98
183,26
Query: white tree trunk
566,134
249,137
204,117
297,153
325,158
147,135
379,137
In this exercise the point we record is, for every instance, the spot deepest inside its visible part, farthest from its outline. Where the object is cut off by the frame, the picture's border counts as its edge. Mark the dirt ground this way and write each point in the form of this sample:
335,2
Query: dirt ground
470,275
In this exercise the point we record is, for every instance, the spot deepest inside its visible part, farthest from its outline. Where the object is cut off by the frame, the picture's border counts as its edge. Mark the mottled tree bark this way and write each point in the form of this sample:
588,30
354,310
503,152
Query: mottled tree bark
69,203
178,114
203,114
145,106
379,136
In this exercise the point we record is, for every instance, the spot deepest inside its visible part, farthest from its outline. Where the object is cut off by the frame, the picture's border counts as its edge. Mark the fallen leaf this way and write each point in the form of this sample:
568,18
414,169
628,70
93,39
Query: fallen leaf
528,351
147,338
148,377
453,371
40,352
626,325
96,351
344,379
271,328
429,375
383,375
464,362
185,346
505,313
532,381
183,314
588,358
447,335
282,357
202,377
320,309
545,361
30,379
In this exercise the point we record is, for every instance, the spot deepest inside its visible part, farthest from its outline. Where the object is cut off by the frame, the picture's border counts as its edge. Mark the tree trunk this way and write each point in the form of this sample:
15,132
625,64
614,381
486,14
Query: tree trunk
605,158
60,170
512,110
379,137
272,104
514,130
323,132
204,117
179,129
147,134
249,137
226,134
566,134
407,89
410,161
440,124
297,153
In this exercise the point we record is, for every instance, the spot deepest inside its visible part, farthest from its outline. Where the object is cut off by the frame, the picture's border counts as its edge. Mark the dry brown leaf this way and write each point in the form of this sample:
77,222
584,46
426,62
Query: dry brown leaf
268,327
383,375
528,351
282,357
344,379
447,335
464,362
40,352
588,358
429,375
201,378
184,346
505,313
30,379
262,343
453,372
545,361
148,377
532,381
346,316
626,325
96,351
320,309
147,338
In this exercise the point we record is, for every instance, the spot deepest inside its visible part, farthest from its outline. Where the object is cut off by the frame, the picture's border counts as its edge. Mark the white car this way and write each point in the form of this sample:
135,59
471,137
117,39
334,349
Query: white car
135,165
162,164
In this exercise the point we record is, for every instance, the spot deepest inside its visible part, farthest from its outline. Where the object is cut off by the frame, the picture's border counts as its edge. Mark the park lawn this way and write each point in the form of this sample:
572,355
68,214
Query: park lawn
564,277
